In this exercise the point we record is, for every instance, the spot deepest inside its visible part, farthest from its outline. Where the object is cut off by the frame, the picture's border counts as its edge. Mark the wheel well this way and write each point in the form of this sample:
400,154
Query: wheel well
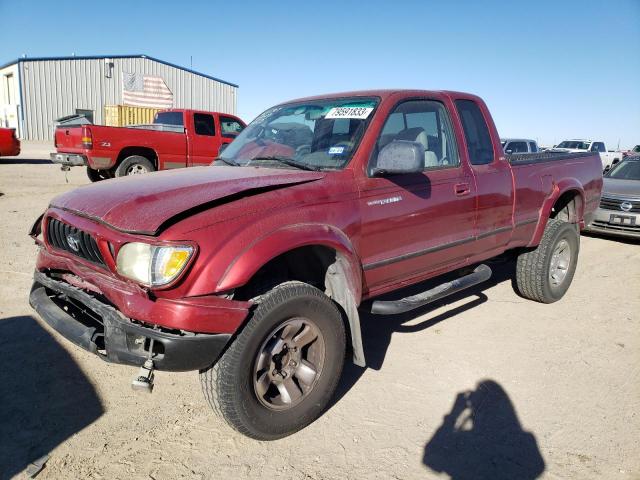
568,207
145,152
320,266
307,264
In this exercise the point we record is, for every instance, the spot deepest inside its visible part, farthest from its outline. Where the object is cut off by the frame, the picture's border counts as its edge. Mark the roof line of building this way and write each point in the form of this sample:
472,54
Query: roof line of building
102,57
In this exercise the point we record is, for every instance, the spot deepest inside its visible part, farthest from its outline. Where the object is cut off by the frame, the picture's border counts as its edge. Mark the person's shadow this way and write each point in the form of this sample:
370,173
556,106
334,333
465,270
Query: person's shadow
481,438
45,397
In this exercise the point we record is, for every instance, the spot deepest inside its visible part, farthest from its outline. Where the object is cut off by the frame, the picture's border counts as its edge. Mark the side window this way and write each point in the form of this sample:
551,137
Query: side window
601,147
425,122
204,124
476,132
533,147
230,127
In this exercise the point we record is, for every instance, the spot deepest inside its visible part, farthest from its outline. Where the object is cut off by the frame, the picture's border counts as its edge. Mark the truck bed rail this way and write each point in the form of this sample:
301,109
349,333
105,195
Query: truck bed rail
540,157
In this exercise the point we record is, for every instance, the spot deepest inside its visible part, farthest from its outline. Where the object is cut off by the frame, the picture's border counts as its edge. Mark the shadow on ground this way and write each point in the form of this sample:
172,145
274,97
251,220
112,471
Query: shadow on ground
377,330
24,161
612,238
481,438
44,396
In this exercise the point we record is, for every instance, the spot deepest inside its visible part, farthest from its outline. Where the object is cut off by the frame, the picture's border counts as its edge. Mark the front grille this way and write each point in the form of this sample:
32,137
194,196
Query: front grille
70,239
617,227
609,203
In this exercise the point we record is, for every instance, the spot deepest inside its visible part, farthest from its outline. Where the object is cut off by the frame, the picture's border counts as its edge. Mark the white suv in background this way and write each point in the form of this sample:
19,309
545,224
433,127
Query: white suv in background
512,146
608,158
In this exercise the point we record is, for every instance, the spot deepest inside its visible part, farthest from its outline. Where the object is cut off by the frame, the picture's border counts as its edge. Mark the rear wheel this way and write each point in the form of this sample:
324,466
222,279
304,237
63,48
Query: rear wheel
134,165
545,274
97,175
281,371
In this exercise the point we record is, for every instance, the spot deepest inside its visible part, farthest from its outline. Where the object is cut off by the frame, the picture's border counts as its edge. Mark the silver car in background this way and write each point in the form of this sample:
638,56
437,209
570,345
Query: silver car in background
619,211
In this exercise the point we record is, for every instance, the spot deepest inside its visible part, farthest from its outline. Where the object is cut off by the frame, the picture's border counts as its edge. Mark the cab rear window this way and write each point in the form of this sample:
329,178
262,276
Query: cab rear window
169,118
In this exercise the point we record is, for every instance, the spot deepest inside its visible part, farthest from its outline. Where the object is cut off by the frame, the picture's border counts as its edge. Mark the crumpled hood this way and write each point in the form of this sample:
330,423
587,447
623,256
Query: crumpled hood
621,187
143,203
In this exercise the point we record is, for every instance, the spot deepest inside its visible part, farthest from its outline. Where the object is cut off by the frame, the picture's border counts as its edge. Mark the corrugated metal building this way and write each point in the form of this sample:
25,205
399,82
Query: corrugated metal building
34,92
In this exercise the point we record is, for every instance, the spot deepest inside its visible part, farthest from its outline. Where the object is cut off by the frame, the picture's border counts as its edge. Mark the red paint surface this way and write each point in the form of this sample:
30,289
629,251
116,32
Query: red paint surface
242,217
9,143
177,149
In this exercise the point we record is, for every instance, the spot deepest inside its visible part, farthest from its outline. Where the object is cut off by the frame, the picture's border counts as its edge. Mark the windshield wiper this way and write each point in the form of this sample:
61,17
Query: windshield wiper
228,161
288,161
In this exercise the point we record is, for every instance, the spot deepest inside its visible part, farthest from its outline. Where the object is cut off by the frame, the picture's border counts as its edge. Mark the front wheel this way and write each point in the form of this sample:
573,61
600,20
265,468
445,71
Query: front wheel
134,165
545,274
281,371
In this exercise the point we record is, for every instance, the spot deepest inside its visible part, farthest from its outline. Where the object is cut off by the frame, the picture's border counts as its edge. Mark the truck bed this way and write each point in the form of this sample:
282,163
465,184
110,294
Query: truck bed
579,172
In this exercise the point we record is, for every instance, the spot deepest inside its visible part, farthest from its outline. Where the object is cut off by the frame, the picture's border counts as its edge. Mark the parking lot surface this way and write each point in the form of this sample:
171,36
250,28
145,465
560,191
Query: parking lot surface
487,385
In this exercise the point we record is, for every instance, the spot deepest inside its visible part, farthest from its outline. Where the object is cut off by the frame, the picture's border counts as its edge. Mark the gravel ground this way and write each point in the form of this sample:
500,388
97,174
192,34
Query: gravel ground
488,385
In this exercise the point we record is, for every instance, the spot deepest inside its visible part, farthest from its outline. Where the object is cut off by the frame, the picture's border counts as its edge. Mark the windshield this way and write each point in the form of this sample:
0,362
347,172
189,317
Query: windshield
320,134
626,170
574,144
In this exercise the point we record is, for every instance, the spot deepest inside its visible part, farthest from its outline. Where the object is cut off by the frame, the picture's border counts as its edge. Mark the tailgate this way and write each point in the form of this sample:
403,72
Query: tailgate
69,139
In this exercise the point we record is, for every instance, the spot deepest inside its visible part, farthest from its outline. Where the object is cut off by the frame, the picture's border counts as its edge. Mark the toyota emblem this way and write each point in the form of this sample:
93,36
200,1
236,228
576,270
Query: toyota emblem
73,241
626,206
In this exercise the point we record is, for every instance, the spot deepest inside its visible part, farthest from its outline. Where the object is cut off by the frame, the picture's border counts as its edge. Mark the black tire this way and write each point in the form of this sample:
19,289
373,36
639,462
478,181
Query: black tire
134,165
534,268
229,385
97,175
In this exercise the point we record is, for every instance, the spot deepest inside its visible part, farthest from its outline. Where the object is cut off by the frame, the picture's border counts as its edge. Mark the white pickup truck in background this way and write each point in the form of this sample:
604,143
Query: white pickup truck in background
513,146
609,158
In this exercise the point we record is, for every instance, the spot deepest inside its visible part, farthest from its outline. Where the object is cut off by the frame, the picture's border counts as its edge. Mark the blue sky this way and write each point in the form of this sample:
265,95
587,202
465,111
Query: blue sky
547,69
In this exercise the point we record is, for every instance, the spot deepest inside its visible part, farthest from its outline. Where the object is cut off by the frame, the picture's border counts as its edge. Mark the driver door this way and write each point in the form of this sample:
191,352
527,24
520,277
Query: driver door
414,225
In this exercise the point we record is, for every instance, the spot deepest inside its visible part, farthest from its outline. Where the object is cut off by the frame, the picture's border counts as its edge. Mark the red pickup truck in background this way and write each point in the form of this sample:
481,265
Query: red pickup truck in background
177,138
253,270
9,143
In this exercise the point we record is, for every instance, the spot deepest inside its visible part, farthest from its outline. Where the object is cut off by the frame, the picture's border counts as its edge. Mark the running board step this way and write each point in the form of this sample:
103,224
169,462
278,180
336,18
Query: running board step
482,273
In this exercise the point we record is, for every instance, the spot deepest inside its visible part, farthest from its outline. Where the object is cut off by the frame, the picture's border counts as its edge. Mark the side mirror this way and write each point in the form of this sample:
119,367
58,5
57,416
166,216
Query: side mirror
400,157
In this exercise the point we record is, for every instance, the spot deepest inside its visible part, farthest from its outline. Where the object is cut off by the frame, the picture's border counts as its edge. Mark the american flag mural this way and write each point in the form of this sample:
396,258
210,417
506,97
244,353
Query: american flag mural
145,91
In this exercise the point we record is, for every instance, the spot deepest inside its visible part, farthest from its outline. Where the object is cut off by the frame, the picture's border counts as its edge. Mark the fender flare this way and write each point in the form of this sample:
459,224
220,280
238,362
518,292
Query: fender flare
118,159
557,190
343,279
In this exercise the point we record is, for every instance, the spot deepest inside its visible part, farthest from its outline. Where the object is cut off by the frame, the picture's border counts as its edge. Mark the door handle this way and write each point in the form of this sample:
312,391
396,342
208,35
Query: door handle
462,189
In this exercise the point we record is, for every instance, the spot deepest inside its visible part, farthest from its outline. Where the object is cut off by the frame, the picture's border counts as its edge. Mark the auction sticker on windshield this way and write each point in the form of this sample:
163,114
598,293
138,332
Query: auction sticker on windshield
349,112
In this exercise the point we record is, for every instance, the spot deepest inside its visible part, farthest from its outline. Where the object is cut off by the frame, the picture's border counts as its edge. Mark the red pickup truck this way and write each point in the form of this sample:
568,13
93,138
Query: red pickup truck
253,270
177,138
9,143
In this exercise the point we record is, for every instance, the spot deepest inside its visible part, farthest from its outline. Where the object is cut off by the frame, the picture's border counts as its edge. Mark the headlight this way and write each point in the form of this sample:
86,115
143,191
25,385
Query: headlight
152,265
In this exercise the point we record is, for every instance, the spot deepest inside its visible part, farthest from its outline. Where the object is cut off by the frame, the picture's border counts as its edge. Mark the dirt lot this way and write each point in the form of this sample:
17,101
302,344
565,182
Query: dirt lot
554,389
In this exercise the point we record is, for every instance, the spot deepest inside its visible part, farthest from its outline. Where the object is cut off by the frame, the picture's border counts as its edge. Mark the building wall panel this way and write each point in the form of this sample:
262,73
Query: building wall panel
55,88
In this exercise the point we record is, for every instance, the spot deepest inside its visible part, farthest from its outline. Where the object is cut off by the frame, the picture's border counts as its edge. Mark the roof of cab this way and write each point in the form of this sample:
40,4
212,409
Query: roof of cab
384,94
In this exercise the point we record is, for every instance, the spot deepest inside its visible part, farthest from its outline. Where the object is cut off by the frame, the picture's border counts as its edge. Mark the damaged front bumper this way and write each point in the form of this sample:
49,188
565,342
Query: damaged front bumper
99,328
